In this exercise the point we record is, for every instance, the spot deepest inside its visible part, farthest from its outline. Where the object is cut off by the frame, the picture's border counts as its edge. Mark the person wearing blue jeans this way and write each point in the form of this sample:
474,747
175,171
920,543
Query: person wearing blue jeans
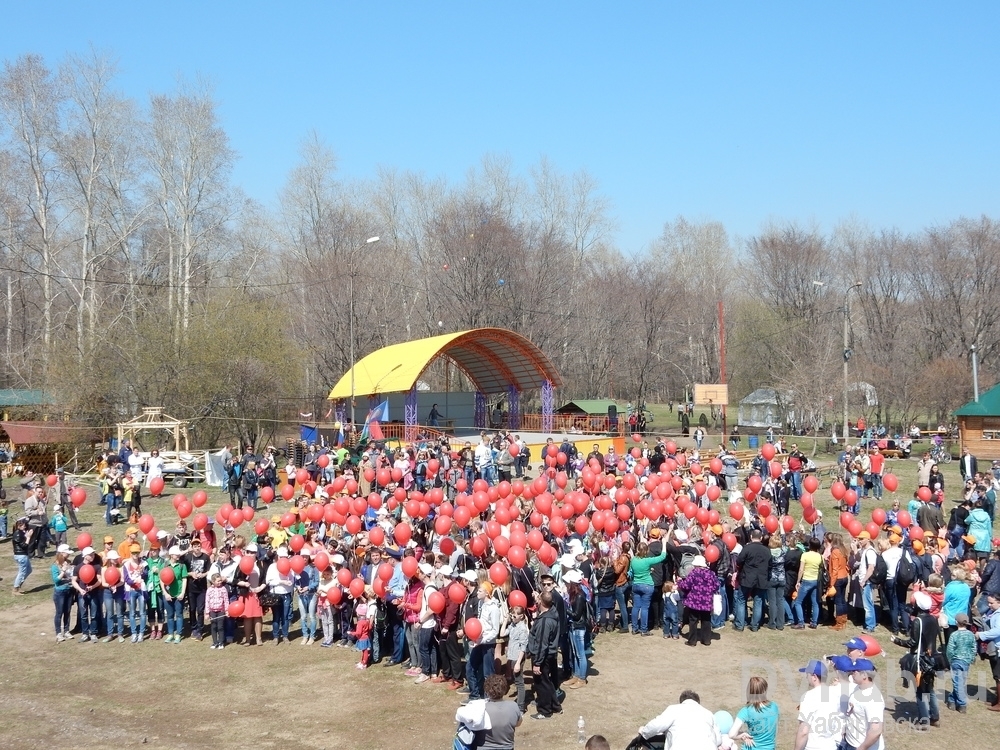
174,595
22,553
961,652
137,611
175,618
281,617
742,595
478,668
114,611
642,585
642,595
807,592
866,568
621,597
86,604
576,638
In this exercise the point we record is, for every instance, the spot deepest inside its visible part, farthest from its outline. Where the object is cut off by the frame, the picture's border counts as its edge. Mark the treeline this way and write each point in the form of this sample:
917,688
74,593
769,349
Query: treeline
134,272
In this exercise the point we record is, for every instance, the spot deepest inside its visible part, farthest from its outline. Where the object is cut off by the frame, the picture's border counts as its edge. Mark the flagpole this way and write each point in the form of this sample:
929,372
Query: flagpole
369,241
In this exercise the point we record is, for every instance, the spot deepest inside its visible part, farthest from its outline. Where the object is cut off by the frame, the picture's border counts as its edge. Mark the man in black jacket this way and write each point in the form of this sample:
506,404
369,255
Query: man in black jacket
753,563
543,647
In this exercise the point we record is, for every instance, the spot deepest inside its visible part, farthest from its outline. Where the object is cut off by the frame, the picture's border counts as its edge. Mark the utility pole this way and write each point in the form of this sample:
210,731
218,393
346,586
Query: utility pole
847,348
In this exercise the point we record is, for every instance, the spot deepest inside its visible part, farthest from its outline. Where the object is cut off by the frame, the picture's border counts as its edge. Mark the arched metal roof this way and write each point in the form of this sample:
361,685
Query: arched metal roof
492,358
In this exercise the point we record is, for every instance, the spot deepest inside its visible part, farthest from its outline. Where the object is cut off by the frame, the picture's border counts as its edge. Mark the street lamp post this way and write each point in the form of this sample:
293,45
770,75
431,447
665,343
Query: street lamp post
369,241
847,347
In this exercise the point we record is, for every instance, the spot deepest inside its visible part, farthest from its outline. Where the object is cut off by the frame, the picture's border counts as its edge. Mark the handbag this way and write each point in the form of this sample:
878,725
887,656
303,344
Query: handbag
716,604
268,599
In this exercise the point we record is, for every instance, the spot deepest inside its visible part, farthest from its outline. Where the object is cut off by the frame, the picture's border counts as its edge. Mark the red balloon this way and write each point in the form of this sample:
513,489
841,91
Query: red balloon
730,541
714,493
846,519
298,563
462,516
809,514
296,542
87,573
873,529
850,498
284,566
288,491
715,465
501,545
872,647
878,516
334,595
156,486
436,602
581,525
323,461
535,539
754,483
248,513
855,528
924,493
711,553
288,519
112,575
247,563
838,490
473,628
787,524
301,476
771,524
51,480
517,557
224,511
810,484
200,521
376,536
236,608
409,566
456,592
167,576
558,526
671,447
385,571
890,482
321,560
83,539
184,508
903,519
736,511
146,523
78,496
499,573
764,509
199,498
767,451
235,518
516,598
447,545
357,588
776,470
345,576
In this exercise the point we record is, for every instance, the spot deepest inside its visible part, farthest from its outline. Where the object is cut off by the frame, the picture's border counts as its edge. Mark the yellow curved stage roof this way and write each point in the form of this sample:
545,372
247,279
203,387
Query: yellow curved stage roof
492,358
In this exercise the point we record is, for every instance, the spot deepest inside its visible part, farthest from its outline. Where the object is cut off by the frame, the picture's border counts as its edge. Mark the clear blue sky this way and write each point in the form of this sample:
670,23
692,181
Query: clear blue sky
737,112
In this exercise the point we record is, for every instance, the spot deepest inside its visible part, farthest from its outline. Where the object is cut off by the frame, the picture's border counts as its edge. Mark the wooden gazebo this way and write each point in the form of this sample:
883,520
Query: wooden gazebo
153,419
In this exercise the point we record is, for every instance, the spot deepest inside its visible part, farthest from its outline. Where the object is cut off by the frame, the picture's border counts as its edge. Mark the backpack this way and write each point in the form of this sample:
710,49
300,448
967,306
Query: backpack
906,572
878,577
526,453
687,562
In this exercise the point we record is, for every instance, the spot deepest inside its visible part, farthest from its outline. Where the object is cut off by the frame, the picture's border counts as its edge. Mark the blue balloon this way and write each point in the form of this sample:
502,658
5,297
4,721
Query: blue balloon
724,721
501,282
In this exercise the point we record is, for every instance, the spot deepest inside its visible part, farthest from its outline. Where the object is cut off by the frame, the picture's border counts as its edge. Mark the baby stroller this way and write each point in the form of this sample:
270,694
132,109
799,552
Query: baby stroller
657,742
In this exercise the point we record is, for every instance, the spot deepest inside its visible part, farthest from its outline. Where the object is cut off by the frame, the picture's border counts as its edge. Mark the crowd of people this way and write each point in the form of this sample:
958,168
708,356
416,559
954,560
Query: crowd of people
445,565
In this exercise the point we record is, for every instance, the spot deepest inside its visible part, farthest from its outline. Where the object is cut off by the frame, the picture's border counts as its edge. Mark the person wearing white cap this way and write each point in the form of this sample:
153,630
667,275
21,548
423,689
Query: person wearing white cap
426,648
281,585
114,597
924,631
88,594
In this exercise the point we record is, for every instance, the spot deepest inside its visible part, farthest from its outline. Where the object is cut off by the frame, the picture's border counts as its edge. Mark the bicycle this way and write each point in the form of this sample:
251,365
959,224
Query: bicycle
940,454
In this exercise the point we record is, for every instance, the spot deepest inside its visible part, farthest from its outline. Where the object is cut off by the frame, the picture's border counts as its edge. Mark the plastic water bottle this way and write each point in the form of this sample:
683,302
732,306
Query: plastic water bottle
581,731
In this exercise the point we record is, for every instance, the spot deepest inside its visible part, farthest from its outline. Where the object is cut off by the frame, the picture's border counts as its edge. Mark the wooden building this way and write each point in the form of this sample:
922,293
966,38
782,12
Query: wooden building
979,425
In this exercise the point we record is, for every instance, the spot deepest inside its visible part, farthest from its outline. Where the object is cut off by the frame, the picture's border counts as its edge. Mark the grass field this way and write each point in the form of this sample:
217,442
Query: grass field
184,696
